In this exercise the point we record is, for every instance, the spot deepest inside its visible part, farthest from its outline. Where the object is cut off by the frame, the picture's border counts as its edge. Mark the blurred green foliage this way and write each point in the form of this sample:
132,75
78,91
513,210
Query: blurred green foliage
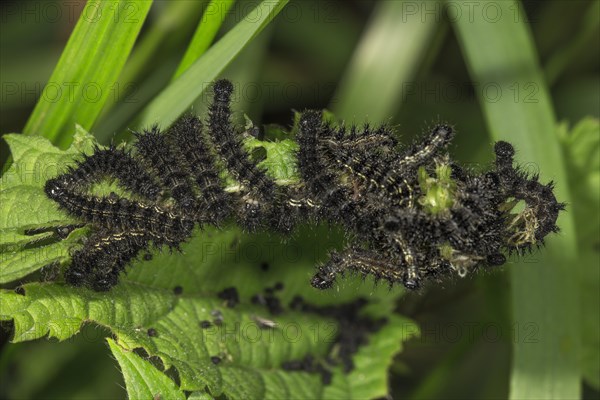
405,62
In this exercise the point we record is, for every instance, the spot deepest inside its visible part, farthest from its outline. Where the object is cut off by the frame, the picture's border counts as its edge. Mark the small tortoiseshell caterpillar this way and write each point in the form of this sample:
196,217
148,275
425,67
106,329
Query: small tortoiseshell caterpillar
118,164
167,164
103,257
189,140
411,214
165,225
263,199
391,203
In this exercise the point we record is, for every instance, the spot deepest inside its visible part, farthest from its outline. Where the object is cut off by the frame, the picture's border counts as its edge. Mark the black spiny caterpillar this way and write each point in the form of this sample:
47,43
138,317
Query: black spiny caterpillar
411,214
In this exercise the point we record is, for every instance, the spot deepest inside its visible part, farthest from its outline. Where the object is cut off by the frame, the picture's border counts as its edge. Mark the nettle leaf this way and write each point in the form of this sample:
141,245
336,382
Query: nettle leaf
142,380
161,306
581,145
24,205
361,385
279,160
277,155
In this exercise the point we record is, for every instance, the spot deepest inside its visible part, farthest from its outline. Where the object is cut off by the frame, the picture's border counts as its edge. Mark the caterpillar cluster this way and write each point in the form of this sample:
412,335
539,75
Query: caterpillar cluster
411,214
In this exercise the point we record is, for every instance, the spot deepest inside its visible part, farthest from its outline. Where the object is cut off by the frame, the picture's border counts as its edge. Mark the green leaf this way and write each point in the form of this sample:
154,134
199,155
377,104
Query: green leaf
142,380
386,343
133,309
211,21
248,353
17,262
200,396
581,146
90,63
582,150
144,311
181,93
501,57
280,159
24,205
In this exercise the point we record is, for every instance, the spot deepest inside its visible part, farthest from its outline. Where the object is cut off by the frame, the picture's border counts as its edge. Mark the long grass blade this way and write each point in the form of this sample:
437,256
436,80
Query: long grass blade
501,57
88,67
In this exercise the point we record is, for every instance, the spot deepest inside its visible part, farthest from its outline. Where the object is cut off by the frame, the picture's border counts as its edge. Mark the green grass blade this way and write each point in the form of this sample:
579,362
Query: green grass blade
388,55
211,21
170,29
181,93
501,58
89,65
